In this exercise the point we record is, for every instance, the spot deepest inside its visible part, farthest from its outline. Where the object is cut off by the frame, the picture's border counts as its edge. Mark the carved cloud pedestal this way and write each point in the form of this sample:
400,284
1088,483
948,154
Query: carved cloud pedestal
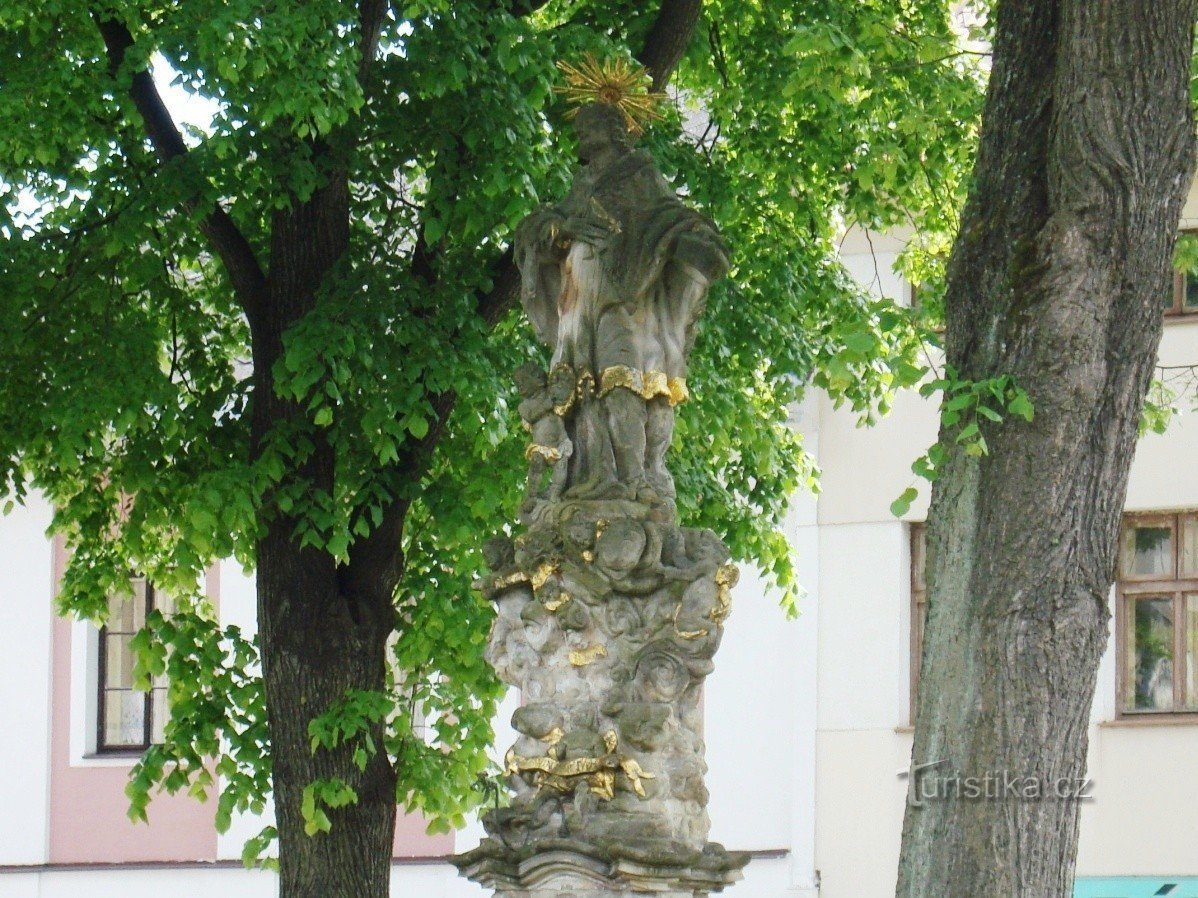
608,617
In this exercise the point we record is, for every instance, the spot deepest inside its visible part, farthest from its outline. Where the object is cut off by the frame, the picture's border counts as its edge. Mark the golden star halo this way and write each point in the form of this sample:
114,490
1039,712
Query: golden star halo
615,82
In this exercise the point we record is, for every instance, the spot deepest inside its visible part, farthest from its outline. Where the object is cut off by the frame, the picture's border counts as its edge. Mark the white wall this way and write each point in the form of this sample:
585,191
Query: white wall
239,606
749,712
1145,810
765,878
863,647
407,881
26,582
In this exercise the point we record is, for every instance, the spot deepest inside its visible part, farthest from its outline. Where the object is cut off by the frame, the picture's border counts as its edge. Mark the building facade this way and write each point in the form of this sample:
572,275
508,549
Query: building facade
808,721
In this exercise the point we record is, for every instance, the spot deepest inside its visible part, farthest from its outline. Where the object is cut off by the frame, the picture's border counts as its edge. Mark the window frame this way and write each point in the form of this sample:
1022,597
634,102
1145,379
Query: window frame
102,747
917,536
1130,588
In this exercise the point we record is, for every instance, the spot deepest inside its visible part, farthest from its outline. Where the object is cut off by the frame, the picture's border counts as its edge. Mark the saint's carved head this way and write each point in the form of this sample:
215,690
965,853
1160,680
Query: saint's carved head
601,130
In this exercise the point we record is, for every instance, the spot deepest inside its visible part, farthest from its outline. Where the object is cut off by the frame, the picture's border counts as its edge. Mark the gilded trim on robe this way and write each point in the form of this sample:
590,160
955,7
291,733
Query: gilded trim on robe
551,454
646,384
679,392
566,407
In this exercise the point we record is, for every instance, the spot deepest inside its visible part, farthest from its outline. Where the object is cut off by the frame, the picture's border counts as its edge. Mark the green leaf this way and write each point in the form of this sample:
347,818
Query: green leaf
418,426
902,504
1021,405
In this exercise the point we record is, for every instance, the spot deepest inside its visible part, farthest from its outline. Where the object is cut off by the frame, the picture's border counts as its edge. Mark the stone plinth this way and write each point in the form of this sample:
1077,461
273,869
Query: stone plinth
560,868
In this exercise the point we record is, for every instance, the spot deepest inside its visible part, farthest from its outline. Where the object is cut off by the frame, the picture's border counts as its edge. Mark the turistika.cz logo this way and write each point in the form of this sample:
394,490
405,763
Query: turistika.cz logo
934,781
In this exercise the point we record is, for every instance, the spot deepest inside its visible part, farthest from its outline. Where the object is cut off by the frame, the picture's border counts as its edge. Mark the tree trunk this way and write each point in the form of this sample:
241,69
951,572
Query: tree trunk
321,632
1056,278
313,651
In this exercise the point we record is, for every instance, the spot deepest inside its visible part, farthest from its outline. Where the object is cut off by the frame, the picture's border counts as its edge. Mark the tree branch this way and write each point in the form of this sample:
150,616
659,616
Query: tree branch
378,558
504,292
371,14
669,37
222,234
521,8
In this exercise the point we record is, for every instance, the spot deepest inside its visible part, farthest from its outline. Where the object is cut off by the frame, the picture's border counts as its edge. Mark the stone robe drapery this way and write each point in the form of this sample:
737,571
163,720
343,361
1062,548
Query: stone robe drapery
624,310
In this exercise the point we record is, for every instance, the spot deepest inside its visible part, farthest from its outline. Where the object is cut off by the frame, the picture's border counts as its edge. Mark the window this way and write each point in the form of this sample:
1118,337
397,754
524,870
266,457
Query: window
1182,298
127,719
919,602
1157,620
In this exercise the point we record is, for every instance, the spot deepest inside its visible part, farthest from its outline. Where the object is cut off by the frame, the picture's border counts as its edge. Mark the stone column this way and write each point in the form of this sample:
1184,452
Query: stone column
608,611
609,615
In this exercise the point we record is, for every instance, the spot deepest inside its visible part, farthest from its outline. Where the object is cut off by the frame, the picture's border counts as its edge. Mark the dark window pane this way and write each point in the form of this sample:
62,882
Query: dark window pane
1150,661
1189,299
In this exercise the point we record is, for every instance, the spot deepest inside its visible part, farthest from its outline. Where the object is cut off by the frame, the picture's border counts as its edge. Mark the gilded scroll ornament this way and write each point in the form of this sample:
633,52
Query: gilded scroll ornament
563,371
505,581
603,784
589,655
554,604
560,775
726,576
687,634
541,575
635,774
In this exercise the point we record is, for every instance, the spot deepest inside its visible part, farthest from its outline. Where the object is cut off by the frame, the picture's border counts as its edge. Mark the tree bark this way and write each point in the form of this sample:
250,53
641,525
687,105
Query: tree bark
320,633
313,652
1056,278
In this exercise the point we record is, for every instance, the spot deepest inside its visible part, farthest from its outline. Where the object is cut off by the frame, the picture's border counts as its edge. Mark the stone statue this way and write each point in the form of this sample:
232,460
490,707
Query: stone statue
550,447
608,613
614,279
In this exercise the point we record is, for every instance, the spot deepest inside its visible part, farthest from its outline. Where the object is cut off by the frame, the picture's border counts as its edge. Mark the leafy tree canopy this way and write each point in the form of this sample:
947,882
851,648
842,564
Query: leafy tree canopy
125,355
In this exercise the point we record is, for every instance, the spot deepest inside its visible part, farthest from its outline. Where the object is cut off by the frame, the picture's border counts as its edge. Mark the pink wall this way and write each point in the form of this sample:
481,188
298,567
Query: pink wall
411,840
88,822
88,819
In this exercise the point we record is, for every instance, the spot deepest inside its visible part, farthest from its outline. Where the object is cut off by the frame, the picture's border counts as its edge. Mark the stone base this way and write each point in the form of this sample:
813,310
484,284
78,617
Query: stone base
559,892
570,869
